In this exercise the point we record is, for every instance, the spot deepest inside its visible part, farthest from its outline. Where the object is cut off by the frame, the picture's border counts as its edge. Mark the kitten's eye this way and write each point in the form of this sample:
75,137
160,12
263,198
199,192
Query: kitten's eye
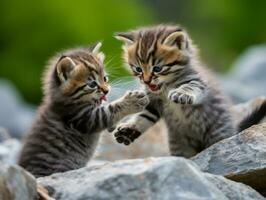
105,79
138,69
92,84
157,69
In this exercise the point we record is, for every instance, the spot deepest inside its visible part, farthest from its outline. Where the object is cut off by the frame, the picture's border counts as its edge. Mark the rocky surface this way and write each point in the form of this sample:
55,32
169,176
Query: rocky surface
15,115
151,178
247,79
241,158
4,135
233,190
16,183
9,151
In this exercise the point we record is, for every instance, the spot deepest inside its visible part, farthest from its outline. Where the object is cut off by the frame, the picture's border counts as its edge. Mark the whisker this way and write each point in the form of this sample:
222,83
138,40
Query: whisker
121,86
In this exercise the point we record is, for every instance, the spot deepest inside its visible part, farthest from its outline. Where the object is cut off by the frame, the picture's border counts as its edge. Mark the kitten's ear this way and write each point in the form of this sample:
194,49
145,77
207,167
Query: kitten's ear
127,38
176,38
64,67
101,56
95,48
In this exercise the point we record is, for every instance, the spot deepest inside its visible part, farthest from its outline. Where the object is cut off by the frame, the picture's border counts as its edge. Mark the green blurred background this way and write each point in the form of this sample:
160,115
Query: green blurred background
32,31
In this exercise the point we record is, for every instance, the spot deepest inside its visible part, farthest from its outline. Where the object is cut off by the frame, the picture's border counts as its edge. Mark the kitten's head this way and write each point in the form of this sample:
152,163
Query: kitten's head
156,54
77,75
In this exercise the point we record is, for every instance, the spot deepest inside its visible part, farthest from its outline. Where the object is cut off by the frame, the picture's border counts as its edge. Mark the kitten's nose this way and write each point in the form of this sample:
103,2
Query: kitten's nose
146,79
105,90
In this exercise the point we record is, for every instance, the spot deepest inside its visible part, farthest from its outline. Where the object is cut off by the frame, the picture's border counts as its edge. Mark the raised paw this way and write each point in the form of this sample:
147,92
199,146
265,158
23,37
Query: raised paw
126,134
137,100
181,97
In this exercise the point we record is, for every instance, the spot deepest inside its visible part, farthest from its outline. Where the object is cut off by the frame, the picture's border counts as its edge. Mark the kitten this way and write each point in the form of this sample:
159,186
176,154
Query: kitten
69,121
180,89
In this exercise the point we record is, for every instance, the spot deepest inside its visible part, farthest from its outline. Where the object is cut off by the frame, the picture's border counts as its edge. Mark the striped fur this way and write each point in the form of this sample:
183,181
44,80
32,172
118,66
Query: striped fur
68,123
181,91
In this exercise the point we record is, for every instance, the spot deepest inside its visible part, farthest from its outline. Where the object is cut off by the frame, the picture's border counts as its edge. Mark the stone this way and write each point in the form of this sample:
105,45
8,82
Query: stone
4,135
233,190
15,115
9,151
247,79
16,183
164,178
241,158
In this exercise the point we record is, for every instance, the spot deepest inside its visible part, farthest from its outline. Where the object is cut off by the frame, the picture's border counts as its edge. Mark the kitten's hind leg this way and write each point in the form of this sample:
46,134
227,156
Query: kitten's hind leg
181,145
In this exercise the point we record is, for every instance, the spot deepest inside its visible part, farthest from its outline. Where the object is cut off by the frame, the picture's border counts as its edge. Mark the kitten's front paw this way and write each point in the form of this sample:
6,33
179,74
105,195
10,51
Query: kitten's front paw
126,134
137,100
181,97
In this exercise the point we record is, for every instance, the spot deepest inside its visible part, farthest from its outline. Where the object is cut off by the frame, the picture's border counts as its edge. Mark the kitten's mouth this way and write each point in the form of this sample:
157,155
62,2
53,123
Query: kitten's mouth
154,87
103,98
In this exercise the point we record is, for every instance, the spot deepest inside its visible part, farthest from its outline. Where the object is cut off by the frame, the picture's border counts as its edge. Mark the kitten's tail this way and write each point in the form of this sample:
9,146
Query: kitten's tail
256,116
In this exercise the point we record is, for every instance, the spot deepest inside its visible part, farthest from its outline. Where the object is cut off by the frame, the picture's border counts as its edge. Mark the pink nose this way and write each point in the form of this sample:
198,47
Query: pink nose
147,79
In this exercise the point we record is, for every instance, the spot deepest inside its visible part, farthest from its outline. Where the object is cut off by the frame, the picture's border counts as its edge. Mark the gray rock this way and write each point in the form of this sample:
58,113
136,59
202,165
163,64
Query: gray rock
240,158
15,115
233,190
164,178
247,78
16,183
3,134
9,151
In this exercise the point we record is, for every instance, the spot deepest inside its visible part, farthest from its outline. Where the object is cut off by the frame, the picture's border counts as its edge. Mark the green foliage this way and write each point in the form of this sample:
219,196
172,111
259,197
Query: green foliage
224,28
32,31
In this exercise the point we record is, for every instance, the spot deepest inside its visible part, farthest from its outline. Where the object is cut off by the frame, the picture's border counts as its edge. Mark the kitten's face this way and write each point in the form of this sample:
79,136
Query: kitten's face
155,55
82,76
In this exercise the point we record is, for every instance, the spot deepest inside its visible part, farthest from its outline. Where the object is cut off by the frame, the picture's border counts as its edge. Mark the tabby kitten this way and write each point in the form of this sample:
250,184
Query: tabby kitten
180,89
69,121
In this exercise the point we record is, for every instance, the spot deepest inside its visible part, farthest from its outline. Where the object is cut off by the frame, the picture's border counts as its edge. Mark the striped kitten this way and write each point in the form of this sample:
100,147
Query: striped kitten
180,89
69,121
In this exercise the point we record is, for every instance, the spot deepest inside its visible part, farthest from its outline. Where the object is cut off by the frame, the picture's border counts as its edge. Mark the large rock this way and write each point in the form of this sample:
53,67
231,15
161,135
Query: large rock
168,178
233,190
16,183
15,115
241,158
3,134
9,151
247,78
